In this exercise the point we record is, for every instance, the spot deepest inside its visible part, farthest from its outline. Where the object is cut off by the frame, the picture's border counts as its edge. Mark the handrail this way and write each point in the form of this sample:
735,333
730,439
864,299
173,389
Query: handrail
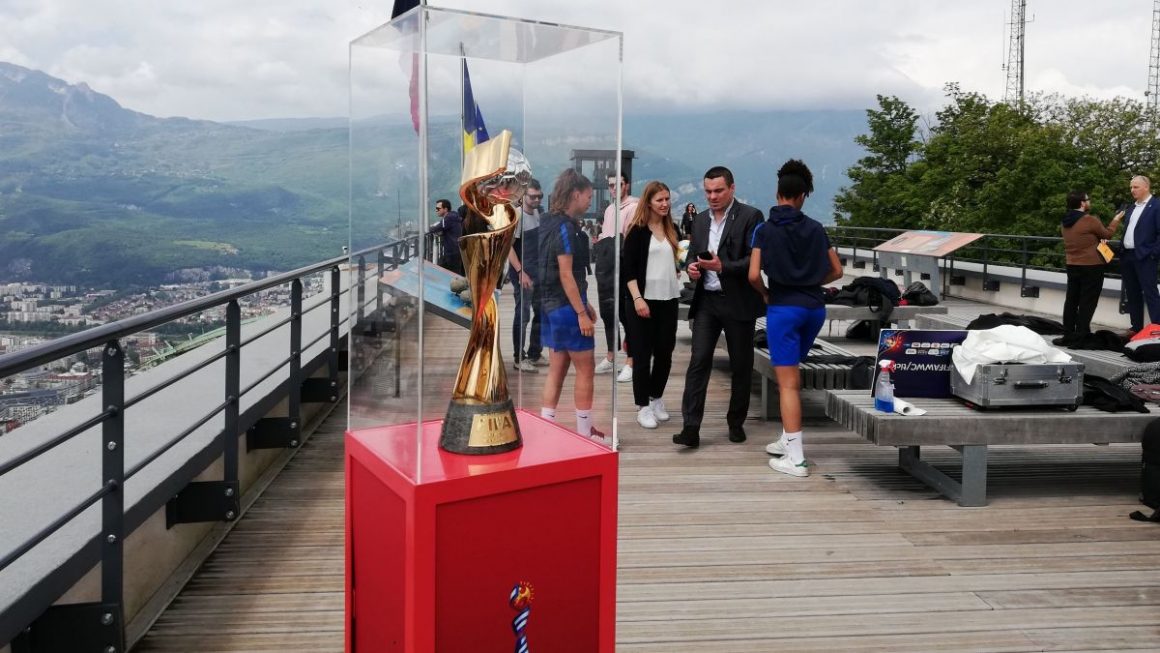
111,419
19,361
988,250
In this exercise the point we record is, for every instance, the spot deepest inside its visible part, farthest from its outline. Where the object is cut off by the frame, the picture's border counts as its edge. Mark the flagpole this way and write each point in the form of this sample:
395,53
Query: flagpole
462,101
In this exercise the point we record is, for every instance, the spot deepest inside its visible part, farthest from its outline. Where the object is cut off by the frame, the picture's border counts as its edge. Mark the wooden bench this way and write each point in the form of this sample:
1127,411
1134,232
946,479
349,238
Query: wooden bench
949,423
1095,362
815,376
900,314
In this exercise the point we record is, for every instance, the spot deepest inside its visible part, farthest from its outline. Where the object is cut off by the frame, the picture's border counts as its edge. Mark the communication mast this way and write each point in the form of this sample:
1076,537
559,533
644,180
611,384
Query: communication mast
1153,92
1015,48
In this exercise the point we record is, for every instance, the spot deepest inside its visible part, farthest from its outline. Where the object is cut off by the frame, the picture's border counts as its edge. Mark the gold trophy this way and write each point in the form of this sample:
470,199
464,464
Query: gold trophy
482,418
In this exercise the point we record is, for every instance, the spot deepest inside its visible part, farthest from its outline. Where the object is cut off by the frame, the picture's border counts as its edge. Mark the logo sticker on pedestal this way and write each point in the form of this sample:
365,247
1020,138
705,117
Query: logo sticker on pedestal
521,601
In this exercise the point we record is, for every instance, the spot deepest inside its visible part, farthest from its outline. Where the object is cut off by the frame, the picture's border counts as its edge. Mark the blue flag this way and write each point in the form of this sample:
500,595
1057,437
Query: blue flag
474,131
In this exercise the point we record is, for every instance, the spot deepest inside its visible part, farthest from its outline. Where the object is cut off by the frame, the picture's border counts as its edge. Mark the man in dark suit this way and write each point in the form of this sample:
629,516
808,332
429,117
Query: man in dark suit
450,225
723,301
1141,251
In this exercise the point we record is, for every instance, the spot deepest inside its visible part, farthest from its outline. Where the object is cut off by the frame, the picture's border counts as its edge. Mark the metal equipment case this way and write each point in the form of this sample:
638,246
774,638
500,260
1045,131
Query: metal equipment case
1000,385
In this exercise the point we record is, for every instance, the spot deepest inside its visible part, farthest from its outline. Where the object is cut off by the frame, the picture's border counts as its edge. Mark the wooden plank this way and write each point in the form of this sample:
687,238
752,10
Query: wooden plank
1077,640
962,642
808,606
711,630
719,553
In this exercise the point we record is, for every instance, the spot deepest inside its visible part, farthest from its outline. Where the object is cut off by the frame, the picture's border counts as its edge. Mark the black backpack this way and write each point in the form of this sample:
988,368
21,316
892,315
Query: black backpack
1150,473
917,294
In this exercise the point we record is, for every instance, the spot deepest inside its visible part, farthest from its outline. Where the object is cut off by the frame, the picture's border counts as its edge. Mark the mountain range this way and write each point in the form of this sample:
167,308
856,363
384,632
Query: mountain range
96,194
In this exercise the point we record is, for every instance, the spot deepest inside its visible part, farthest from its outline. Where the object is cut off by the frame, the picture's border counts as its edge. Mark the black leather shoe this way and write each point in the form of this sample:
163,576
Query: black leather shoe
736,434
689,437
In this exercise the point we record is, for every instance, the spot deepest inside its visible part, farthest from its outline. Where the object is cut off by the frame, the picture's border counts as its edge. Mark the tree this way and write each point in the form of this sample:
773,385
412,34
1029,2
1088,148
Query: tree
996,168
878,193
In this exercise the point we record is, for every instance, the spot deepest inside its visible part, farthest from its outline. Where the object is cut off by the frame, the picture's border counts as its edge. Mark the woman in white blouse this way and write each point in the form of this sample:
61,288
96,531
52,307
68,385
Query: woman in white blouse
648,268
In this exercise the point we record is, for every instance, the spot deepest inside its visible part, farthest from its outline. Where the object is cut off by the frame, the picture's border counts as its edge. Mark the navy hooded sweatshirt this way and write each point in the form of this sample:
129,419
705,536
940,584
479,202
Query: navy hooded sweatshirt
795,257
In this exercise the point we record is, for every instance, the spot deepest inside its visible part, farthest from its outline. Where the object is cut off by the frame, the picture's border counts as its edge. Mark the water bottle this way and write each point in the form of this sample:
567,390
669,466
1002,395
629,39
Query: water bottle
883,388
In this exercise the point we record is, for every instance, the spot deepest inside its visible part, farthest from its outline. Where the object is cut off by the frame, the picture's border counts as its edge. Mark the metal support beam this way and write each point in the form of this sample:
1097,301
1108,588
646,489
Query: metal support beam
970,492
320,391
273,433
75,628
204,501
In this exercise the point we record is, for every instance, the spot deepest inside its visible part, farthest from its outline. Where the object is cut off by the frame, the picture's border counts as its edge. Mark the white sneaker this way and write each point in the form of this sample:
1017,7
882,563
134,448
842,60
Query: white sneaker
525,365
604,366
625,375
645,417
784,466
775,448
658,409
539,362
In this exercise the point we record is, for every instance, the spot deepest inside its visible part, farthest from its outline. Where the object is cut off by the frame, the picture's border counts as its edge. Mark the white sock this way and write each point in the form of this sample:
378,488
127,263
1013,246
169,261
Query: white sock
548,413
793,446
583,422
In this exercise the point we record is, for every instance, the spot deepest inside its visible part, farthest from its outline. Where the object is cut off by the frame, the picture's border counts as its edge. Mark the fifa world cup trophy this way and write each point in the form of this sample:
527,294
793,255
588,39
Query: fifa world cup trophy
481,418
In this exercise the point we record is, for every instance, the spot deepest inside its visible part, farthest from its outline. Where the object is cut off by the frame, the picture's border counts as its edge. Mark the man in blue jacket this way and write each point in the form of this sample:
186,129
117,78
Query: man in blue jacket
1141,250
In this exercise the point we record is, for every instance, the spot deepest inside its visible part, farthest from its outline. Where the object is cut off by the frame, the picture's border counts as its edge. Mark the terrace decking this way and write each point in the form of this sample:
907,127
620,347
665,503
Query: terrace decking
719,553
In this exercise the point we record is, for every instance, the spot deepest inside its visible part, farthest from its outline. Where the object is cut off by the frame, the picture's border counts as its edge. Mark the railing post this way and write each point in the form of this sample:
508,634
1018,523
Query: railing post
113,503
335,305
988,284
361,289
294,395
233,383
380,268
1024,289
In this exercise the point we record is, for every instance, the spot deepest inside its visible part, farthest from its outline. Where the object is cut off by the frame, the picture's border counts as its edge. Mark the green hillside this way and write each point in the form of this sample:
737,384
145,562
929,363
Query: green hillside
96,194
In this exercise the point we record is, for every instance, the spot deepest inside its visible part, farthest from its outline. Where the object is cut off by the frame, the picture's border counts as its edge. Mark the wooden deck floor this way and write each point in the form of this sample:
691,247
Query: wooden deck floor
719,553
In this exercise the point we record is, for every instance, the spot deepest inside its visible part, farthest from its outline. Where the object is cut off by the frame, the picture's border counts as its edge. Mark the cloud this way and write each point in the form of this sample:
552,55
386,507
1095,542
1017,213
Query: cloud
226,60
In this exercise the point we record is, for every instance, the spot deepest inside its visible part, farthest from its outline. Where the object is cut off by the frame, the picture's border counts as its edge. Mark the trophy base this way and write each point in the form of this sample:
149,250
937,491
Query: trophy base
480,429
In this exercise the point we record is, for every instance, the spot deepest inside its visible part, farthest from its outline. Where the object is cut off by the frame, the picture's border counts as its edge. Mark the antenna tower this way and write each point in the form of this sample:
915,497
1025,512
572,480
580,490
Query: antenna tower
1153,92
1014,67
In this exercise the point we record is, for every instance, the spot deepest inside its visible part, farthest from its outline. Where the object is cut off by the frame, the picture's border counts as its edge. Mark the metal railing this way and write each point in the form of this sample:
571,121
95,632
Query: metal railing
1044,253
100,626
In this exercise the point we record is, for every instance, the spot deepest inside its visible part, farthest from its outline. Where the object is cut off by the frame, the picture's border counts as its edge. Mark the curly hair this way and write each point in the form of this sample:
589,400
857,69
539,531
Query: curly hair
794,179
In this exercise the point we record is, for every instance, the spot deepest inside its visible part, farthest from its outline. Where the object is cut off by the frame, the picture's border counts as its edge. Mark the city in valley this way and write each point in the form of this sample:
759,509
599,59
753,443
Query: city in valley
31,313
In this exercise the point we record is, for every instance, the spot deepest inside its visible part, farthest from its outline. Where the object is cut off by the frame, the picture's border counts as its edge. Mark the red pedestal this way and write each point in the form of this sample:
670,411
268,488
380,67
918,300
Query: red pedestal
436,541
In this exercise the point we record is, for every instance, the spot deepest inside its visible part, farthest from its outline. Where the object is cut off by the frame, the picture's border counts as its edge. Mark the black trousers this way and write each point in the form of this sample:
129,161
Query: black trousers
604,254
1084,283
1139,279
652,341
711,319
527,305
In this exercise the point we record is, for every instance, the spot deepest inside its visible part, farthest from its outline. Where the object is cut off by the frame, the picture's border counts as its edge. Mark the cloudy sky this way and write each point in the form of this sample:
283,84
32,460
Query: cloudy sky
245,59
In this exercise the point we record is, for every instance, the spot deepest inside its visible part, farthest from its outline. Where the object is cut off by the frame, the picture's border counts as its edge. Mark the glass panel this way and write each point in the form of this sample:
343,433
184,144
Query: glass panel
557,90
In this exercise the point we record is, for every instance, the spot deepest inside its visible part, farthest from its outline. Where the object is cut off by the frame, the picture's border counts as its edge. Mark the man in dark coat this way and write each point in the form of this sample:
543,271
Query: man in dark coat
450,226
722,301
1141,251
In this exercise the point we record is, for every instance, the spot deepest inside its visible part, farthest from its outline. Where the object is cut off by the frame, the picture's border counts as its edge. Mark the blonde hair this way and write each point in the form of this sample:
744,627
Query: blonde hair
644,211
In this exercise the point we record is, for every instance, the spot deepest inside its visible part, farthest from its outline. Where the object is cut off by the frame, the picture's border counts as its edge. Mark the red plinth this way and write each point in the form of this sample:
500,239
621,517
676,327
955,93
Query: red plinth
436,541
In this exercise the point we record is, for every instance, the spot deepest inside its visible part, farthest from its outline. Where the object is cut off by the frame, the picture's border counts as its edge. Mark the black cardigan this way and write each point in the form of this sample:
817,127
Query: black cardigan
634,259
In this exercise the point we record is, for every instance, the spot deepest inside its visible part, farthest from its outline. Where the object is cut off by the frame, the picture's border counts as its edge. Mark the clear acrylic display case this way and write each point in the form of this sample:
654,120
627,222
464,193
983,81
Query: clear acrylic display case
558,90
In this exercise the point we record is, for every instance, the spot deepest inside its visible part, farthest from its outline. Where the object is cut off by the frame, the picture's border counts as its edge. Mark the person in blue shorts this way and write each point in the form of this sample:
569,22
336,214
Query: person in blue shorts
794,253
567,328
